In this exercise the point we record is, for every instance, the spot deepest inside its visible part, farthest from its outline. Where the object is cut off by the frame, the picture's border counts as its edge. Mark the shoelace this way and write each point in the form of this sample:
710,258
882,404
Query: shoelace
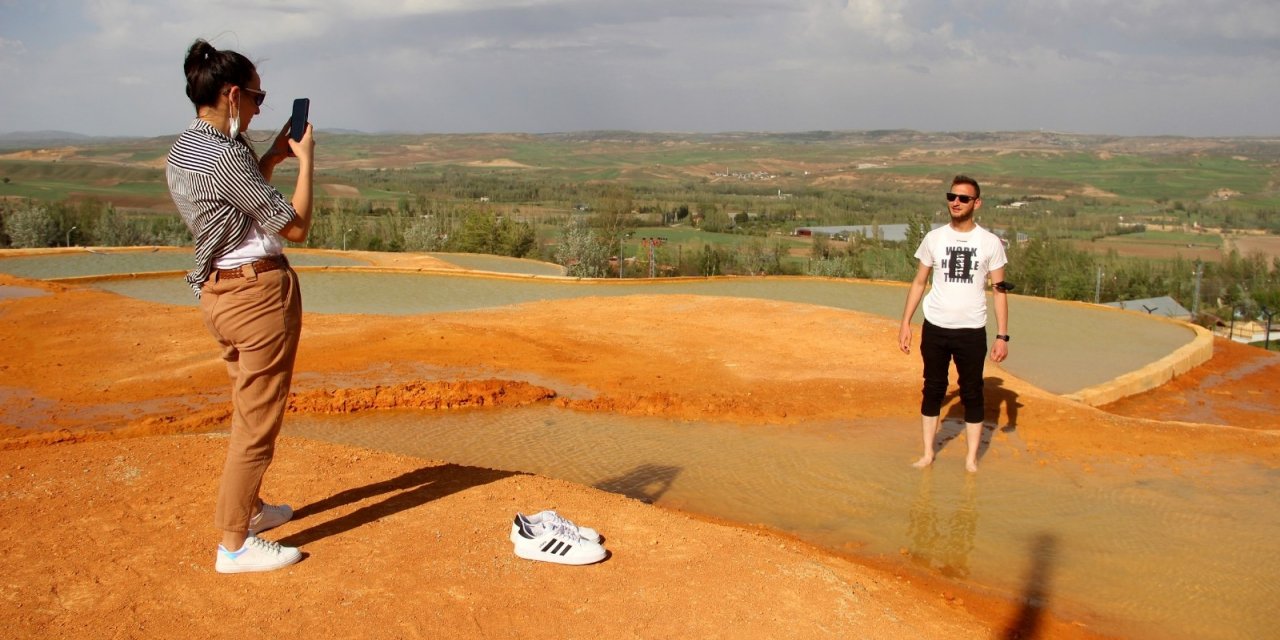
564,529
559,519
265,545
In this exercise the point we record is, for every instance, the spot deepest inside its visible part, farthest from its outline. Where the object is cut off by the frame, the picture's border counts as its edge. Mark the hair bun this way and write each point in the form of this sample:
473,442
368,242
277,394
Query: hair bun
199,53
208,71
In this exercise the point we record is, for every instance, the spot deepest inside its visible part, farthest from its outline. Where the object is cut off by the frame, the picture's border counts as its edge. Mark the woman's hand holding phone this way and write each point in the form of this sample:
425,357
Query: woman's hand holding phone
303,149
300,141
284,147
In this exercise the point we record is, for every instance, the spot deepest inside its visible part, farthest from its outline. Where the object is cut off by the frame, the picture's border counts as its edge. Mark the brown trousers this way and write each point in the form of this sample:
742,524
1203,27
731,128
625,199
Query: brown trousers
257,320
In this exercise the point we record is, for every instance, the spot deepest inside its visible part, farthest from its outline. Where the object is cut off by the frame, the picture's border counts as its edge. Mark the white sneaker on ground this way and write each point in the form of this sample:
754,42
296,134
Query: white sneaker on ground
256,555
591,535
555,542
271,516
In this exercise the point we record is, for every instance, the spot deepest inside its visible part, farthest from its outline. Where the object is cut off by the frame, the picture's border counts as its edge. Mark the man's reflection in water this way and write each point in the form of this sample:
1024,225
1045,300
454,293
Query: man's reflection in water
944,547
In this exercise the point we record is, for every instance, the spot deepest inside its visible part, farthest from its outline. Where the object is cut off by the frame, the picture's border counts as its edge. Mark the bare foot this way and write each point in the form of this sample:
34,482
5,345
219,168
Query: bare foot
923,462
971,466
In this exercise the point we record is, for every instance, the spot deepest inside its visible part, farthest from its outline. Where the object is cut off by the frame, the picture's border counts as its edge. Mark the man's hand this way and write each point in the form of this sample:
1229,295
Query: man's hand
904,339
999,350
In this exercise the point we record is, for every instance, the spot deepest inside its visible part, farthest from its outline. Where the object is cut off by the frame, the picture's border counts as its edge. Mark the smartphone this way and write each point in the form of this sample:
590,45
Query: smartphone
298,124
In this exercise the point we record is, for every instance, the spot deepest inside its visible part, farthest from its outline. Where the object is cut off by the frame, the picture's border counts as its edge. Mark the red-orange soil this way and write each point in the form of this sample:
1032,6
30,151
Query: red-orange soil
1239,387
112,409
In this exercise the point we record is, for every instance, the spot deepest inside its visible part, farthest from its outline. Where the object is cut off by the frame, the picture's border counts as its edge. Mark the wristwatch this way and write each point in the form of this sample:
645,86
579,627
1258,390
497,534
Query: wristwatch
1001,336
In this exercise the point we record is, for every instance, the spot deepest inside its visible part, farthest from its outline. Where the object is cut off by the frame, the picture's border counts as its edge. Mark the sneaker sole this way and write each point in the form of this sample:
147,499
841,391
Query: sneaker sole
235,568
534,554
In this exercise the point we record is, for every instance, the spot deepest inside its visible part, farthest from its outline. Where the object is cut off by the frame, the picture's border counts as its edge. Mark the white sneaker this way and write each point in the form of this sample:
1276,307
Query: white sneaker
543,517
256,555
554,542
271,516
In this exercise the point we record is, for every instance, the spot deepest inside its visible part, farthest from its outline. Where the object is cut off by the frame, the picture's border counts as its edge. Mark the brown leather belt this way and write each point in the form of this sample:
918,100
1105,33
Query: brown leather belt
257,266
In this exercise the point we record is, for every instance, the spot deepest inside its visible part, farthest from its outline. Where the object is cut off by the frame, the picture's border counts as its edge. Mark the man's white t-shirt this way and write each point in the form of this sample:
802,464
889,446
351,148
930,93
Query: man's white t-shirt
960,262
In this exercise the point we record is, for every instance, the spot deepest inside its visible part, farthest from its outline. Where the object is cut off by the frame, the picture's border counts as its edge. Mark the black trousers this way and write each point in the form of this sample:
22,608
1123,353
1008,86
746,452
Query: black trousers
938,347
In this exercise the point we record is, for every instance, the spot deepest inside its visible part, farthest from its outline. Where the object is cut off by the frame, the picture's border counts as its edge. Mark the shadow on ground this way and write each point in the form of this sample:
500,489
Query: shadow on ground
407,491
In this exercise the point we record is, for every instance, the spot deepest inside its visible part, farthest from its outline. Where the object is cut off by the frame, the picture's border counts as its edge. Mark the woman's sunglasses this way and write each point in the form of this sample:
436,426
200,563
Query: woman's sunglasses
963,198
259,97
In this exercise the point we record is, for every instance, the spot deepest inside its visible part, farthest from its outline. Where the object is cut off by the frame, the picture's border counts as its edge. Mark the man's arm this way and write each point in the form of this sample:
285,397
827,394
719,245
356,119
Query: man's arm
913,300
1000,350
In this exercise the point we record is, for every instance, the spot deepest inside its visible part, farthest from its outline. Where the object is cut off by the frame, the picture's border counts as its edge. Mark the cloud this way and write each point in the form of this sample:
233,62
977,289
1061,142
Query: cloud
541,65
11,52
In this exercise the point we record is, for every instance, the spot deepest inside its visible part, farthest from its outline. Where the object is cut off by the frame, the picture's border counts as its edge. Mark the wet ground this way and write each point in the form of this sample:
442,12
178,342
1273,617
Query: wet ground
1085,527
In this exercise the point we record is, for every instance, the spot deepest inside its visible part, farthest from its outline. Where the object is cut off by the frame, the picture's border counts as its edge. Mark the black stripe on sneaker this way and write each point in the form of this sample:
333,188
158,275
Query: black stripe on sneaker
567,547
549,544
522,528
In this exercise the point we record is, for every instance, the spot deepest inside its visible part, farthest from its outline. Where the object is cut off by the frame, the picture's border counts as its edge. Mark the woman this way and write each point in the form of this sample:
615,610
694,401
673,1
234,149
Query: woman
249,296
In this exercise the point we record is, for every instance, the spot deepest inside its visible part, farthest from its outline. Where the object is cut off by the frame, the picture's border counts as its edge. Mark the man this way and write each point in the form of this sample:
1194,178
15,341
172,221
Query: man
962,256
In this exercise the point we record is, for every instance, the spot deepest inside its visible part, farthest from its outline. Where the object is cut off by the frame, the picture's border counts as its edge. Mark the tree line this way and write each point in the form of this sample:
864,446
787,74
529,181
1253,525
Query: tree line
593,237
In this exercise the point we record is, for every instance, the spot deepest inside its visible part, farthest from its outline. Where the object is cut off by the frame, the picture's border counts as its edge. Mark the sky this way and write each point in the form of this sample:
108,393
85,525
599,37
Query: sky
1128,67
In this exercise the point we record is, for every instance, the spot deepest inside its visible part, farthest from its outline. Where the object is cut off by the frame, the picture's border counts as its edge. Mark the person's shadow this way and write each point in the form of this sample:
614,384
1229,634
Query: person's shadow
995,396
951,426
998,396
408,490
647,482
1035,594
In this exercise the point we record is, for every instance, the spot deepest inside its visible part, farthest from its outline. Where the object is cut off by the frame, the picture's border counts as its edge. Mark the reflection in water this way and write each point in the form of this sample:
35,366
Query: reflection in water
647,482
944,547
1035,594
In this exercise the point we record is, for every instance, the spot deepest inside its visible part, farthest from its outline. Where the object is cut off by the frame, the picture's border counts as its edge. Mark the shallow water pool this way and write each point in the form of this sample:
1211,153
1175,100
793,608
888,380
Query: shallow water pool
1059,347
123,261
10,292
1147,552
500,264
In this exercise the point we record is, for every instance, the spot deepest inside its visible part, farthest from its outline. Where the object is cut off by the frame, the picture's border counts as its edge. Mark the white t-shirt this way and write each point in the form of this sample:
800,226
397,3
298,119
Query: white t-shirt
960,262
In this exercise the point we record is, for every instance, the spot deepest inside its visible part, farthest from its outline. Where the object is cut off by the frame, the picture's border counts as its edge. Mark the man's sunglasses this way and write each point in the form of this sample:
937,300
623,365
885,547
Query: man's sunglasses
963,198
259,97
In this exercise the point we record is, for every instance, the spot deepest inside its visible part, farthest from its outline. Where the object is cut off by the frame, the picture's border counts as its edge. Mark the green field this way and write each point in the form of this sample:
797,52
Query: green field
1147,178
1078,185
1177,238
513,194
1126,171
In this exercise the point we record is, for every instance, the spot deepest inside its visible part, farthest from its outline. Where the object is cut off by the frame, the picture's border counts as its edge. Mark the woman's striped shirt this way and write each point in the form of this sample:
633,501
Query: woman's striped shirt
220,192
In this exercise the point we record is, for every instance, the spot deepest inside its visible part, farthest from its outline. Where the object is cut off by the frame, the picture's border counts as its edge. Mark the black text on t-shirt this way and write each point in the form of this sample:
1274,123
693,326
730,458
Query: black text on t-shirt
960,263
